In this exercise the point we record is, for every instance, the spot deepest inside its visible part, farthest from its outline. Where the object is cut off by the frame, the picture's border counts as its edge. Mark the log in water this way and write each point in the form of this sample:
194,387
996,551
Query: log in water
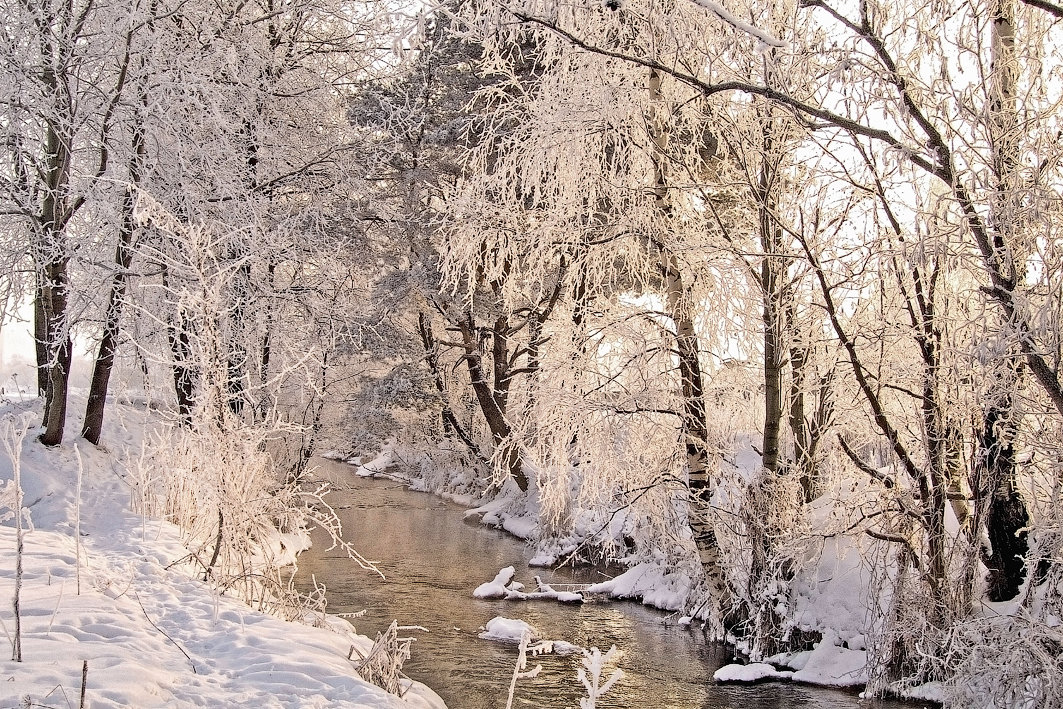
433,558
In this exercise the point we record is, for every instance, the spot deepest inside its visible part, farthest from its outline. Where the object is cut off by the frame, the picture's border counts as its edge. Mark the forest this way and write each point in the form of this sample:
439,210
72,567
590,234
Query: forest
713,284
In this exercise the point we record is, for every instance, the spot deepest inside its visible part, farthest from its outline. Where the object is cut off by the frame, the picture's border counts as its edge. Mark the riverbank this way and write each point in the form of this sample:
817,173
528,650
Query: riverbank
109,616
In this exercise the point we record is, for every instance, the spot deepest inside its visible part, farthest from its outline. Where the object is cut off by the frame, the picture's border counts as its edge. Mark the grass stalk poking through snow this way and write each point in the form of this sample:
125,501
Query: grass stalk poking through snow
13,433
77,518
382,665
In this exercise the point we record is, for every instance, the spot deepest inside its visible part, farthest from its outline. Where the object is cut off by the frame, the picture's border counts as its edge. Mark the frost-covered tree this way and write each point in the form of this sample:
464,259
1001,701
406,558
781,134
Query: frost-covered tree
66,66
251,220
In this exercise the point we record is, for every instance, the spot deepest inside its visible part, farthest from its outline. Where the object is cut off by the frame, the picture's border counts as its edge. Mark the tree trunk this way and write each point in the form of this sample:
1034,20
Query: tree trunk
52,264
772,273
123,257
184,376
236,364
491,401
693,427
1006,512
1006,517
58,334
101,370
40,340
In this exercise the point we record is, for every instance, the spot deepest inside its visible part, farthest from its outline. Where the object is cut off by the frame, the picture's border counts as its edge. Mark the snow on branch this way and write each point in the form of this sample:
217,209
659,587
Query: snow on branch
500,587
765,39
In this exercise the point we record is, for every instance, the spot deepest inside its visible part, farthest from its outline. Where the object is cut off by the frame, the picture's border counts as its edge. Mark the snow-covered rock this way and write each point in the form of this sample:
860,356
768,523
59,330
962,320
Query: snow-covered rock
832,665
508,630
495,588
753,672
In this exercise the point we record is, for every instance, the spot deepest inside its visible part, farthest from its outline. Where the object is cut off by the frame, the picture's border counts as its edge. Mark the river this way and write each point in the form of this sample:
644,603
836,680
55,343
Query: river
432,559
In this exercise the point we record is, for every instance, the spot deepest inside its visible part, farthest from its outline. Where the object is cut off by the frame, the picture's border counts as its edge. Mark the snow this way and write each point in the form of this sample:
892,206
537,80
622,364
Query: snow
832,665
753,672
497,587
654,583
501,587
511,510
149,631
929,692
379,466
828,664
764,38
512,630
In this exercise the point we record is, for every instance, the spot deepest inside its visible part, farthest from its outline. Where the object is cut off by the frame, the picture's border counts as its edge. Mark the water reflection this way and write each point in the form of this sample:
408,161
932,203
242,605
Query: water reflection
433,559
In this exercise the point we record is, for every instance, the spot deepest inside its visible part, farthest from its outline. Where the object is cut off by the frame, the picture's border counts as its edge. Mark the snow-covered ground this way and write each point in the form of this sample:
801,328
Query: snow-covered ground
116,618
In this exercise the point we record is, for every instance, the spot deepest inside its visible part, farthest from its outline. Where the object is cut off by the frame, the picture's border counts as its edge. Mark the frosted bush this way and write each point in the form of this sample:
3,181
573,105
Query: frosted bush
1014,664
382,665
244,521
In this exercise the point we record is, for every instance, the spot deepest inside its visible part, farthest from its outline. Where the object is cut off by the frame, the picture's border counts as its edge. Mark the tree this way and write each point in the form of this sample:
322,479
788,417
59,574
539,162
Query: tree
68,65
247,175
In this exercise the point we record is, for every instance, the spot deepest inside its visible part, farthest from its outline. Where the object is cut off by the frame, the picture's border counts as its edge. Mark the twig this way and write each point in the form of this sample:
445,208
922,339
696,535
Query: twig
164,634
77,517
217,547
85,680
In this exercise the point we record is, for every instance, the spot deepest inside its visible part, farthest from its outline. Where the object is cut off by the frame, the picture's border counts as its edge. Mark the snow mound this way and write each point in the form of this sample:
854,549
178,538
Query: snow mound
379,466
508,630
747,674
497,587
652,582
831,665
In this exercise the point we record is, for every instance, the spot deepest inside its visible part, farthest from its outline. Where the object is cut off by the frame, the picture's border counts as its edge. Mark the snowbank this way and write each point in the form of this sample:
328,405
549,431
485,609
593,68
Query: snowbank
832,665
652,582
149,632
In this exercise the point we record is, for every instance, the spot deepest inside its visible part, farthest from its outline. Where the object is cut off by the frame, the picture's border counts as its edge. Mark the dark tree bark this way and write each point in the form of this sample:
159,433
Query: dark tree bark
104,364
123,257
40,340
55,303
184,375
492,399
1006,515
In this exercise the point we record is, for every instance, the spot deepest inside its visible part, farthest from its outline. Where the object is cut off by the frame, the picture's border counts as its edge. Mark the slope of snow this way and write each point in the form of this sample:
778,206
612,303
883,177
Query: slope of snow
146,629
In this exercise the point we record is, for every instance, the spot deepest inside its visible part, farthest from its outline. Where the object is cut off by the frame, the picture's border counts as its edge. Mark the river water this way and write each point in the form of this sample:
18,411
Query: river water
432,559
